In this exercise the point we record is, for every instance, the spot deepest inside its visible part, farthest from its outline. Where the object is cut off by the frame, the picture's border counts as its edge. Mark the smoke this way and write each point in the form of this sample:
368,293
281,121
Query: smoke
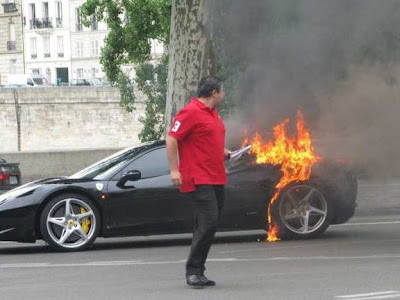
339,61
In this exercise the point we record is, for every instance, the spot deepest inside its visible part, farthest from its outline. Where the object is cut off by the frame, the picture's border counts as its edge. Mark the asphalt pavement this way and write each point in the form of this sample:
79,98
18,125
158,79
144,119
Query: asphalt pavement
356,260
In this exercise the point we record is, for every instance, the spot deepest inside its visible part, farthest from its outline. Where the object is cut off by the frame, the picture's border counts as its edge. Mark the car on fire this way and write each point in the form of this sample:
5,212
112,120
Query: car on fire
130,193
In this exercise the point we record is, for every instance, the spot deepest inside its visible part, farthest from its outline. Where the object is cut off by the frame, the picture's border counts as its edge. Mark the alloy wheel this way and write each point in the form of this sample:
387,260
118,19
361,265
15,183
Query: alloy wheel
71,223
303,209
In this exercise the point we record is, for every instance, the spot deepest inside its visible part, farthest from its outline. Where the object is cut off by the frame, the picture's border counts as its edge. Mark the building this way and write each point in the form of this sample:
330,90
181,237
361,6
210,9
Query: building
47,39
86,43
11,37
55,43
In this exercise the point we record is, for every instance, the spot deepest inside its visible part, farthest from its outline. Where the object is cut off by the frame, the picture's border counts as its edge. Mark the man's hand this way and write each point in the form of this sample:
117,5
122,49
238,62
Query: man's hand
172,155
227,153
176,177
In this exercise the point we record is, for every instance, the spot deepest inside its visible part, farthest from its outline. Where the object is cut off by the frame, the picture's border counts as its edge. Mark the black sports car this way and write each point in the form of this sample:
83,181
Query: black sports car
130,193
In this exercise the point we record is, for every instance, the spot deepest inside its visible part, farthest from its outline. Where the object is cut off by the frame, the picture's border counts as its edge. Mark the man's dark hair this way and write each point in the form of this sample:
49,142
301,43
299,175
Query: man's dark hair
207,85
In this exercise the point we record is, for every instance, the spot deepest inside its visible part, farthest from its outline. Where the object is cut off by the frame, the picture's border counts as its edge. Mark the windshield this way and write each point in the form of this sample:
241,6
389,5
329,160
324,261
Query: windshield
40,81
102,169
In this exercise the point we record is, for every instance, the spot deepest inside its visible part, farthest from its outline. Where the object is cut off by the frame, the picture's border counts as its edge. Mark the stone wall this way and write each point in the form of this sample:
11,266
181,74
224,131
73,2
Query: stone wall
73,118
37,165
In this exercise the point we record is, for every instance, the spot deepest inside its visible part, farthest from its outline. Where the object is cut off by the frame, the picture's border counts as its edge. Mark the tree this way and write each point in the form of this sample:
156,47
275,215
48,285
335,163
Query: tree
133,24
152,81
191,53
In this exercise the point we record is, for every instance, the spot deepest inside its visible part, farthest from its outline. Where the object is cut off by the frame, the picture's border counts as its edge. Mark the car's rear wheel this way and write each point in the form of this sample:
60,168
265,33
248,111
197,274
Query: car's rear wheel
70,222
301,211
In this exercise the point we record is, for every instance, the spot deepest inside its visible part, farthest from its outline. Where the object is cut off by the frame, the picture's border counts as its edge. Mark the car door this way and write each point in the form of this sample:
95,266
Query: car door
149,205
248,191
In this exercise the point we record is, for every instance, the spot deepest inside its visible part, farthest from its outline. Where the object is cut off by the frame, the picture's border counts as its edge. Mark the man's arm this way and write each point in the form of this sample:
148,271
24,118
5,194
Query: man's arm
172,155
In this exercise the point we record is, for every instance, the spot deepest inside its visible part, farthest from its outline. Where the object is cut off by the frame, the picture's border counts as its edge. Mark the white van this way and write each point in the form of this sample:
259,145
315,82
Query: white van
23,80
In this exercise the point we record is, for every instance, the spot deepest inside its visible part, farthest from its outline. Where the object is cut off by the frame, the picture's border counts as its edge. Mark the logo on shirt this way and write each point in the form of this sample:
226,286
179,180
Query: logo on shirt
176,126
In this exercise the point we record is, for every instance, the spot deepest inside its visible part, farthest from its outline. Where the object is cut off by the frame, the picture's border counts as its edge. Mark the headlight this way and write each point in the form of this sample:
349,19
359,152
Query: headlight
17,193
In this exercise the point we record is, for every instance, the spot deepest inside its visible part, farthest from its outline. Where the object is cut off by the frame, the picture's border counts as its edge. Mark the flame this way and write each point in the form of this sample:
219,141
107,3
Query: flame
294,154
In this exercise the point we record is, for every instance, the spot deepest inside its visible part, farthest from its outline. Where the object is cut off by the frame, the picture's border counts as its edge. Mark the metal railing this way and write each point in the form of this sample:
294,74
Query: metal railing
59,22
11,45
40,23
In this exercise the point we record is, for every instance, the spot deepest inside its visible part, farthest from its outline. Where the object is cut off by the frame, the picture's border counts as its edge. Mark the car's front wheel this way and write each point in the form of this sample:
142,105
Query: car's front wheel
301,211
70,222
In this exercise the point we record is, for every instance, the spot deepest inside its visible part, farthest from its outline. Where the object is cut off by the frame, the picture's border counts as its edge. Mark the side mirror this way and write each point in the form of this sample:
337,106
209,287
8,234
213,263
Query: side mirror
129,176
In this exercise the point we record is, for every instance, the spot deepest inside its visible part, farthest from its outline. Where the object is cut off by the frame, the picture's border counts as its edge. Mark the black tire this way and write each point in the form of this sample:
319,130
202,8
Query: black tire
79,232
291,220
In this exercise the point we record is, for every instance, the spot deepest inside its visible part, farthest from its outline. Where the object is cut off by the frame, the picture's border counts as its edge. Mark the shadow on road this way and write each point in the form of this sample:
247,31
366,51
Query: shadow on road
157,241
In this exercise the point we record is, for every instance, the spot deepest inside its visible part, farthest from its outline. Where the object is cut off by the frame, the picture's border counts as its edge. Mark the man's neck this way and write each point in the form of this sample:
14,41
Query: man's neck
207,102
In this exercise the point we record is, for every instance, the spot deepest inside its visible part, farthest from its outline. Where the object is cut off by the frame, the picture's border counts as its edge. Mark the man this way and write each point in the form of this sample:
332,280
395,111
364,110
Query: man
198,136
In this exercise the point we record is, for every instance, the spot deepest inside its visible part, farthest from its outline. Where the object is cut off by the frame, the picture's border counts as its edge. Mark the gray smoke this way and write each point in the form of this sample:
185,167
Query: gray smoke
336,60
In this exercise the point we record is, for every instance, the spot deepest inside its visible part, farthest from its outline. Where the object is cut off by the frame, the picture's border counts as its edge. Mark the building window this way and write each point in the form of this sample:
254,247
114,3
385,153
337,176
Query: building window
93,71
48,74
46,46
78,19
32,15
59,14
79,72
9,7
11,45
45,10
35,71
94,49
79,48
13,66
60,46
33,47
94,24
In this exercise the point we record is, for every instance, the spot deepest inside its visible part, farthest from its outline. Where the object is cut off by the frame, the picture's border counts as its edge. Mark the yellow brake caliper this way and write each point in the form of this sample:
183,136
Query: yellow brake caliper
86,222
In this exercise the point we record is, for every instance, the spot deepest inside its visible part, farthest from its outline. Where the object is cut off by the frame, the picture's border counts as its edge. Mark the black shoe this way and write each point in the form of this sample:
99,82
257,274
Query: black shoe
207,281
195,281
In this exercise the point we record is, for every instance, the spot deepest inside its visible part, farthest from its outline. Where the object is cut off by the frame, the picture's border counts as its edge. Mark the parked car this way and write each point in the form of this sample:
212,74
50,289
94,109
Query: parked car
130,193
79,82
10,175
24,80
89,81
95,81
104,81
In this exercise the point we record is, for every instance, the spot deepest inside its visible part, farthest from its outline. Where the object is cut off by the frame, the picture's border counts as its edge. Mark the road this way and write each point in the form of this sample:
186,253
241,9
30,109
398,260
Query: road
356,260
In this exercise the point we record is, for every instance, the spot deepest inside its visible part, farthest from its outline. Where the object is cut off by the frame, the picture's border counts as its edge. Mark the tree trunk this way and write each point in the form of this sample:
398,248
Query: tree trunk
190,55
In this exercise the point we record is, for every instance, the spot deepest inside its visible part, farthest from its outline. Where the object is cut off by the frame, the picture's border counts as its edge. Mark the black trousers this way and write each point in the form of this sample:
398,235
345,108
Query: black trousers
208,201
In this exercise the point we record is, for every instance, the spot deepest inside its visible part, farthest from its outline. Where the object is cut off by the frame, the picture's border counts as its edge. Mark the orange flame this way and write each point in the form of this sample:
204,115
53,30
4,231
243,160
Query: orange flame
295,155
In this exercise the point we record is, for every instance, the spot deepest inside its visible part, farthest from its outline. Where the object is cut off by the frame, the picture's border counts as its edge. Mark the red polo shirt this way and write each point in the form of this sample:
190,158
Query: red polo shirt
200,133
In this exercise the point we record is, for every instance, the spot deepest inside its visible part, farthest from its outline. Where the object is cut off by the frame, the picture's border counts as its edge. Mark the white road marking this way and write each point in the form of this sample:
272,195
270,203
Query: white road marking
312,245
375,295
227,259
366,223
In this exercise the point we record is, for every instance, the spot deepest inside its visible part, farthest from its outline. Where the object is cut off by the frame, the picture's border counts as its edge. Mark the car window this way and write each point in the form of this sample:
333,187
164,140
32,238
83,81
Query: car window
106,167
151,164
39,81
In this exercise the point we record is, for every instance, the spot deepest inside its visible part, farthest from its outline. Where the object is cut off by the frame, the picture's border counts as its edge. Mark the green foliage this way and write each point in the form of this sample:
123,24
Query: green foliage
132,25
152,81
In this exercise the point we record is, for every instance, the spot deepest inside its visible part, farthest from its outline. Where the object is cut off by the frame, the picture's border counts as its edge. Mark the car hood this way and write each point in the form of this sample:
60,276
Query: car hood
33,185
50,180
